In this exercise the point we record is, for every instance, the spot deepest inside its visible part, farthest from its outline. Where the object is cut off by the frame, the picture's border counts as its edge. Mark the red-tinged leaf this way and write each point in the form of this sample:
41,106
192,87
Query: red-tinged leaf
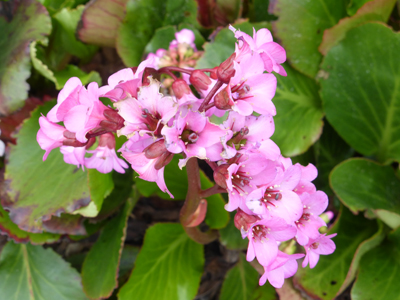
21,23
377,10
65,224
100,22
100,268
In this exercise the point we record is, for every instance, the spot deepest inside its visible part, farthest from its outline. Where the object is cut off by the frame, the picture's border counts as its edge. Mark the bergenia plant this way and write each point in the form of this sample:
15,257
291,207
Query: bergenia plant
165,108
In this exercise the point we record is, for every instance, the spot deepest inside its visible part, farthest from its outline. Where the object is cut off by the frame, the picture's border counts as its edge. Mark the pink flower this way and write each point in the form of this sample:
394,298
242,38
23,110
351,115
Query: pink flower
263,236
49,136
104,158
284,266
185,36
322,245
74,155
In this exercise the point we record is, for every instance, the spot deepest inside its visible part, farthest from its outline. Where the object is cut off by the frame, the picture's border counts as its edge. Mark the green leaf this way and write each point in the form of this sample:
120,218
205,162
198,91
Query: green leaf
134,33
31,272
240,282
26,22
326,278
68,20
355,5
100,22
162,37
65,224
223,44
168,259
330,150
300,27
39,189
100,268
259,11
100,186
363,248
11,230
297,102
364,110
379,272
362,184
377,10
230,236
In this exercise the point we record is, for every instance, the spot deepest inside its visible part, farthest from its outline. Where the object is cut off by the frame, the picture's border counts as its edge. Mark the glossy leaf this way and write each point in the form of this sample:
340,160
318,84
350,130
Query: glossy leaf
68,20
297,102
100,268
161,39
39,189
100,186
377,10
27,21
326,278
379,271
134,33
241,282
100,22
363,110
362,184
355,5
31,272
65,224
168,259
7,227
301,35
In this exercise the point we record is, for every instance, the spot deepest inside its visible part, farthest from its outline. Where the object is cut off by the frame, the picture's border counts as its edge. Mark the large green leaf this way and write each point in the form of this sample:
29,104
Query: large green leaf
379,272
326,278
135,32
11,230
355,5
100,22
100,185
241,282
100,268
31,272
364,110
300,27
362,184
168,267
377,10
26,22
162,37
298,120
39,189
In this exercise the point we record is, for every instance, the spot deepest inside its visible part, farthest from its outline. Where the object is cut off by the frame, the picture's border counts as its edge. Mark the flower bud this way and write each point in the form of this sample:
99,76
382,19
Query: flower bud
163,160
180,88
155,150
199,80
213,74
226,70
221,174
107,140
198,216
149,72
70,139
243,220
222,100
113,120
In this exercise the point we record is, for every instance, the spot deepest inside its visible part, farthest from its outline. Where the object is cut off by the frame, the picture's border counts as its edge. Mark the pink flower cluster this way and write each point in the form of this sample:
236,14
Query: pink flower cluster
274,199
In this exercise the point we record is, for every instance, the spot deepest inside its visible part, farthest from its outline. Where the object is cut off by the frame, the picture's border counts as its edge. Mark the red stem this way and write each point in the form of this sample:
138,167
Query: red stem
216,189
176,69
210,95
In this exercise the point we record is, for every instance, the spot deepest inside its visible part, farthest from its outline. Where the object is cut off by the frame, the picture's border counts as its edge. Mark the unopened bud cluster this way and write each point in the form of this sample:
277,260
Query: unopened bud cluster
274,199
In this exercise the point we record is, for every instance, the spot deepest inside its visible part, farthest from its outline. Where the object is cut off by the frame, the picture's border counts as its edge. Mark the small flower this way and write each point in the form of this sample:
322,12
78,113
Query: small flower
322,245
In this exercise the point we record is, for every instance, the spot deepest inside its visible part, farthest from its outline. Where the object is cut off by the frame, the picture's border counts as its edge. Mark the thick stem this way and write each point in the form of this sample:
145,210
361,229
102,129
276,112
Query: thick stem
194,188
210,95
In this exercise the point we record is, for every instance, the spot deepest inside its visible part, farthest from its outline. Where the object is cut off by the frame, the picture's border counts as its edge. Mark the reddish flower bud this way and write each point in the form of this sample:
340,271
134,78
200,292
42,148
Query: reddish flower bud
198,216
113,120
155,150
149,72
199,80
226,70
221,174
163,160
213,74
222,100
107,140
180,88
243,220
70,139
